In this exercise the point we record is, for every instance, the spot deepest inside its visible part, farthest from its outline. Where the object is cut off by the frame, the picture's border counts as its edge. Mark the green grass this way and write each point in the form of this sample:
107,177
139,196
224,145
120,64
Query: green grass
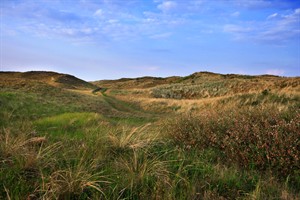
70,124
60,144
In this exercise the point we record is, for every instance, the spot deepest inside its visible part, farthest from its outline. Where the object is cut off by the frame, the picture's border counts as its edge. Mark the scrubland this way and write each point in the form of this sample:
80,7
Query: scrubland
205,136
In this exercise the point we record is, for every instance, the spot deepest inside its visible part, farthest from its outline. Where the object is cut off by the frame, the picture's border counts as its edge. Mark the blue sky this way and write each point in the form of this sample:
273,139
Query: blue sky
109,39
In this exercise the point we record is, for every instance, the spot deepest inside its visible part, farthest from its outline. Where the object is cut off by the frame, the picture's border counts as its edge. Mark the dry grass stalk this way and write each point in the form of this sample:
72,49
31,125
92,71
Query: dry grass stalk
134,138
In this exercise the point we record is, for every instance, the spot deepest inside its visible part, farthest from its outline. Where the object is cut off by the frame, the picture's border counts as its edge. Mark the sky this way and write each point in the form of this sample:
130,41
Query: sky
110,39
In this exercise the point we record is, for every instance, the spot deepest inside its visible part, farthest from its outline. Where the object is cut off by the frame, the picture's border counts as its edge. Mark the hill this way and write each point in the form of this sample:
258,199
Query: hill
208,85
51,93
205,85
36,78
202,89
203,136
141,82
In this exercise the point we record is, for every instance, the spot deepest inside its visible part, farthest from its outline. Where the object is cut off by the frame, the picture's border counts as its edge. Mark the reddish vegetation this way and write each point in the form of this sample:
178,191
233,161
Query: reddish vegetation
257,139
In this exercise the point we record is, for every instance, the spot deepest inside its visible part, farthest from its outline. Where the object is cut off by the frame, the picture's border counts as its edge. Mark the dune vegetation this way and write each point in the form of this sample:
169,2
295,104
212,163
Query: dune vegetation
204,136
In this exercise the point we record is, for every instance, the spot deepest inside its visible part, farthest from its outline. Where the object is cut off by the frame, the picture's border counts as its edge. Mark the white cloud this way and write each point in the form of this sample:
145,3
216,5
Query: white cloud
272,16
87,30
277,72
162,19
280,29
197,3
167,6
235,14
113,21
232,28
253,4
68,31
283,27
161,35
98,13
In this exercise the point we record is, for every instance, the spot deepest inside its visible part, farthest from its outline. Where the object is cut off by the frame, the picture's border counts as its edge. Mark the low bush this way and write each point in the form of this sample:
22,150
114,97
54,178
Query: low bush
254,139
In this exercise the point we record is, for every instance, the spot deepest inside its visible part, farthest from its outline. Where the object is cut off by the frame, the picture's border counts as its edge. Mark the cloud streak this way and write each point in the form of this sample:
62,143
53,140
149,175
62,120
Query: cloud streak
167,6
276,29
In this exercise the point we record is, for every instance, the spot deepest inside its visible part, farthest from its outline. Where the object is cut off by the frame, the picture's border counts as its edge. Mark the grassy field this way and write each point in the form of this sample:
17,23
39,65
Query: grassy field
204,136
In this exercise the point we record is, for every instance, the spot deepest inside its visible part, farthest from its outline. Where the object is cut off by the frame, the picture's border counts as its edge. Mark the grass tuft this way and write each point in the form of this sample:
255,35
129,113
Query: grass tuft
130,138
76,180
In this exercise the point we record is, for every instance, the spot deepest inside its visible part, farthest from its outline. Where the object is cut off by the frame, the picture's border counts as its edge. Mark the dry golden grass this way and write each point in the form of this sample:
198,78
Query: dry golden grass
223,102
17,144
215,88
72,181
131,138
31,79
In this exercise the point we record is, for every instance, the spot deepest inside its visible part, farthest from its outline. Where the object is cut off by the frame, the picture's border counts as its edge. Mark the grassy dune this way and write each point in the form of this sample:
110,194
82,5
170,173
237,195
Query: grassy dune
205,136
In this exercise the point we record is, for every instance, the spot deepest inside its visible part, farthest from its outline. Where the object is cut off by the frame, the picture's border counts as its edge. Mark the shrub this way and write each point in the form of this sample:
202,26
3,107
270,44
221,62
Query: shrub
258,139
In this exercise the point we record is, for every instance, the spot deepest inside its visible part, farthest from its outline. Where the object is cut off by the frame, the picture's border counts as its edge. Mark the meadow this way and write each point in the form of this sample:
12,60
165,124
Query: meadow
204,136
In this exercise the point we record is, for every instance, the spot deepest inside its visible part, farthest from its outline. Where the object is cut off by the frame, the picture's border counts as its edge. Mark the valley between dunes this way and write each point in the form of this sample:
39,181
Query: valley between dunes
203,136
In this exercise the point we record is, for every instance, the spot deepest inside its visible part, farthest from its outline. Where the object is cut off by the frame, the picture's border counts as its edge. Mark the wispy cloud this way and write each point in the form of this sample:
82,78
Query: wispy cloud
272,16
277,31
235,14
104,21
232,28
166,6
254,3
99,13
161,35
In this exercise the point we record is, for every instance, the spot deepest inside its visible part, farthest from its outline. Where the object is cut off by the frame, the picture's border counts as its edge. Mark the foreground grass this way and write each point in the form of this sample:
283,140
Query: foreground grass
94,149
136,163
112,167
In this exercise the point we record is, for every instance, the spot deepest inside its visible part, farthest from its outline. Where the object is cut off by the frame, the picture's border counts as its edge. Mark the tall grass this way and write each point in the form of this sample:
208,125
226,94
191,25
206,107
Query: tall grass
264,140
126,138
199,159
144,175
75,181
58,144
